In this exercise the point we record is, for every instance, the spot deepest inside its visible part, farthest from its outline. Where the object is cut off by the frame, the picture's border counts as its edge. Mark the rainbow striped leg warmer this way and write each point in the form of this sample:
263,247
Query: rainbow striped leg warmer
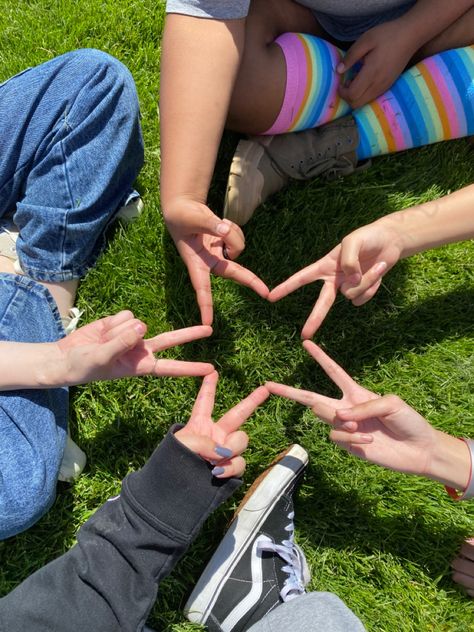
431,102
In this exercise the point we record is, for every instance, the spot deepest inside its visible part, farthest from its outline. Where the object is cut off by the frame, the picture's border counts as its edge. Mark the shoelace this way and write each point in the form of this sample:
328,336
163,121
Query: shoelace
296,566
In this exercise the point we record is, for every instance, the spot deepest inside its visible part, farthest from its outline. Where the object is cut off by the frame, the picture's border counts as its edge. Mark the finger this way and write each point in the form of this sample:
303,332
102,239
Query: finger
117,330
322,406
235,417
204,404
299,279
233,468
234,241
467,549
358,87
367,295
380,407
355,53
124,341
331,368
349,257
205,221
355,438
177,337
366,281
237,442
200,444
465,580
325,301
180,368
239,274
109,322
201,282
464,566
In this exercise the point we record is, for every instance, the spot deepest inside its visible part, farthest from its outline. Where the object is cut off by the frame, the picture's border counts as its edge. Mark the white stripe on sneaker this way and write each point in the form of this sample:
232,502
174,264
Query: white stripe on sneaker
243,607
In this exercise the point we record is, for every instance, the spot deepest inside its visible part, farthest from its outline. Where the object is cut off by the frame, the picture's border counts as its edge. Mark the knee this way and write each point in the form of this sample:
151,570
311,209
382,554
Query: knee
23,501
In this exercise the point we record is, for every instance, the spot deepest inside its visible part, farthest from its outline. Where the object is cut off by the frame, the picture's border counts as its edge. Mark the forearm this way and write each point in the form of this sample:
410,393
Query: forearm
451,462
109,580
428,18
200,60
446,220
28,365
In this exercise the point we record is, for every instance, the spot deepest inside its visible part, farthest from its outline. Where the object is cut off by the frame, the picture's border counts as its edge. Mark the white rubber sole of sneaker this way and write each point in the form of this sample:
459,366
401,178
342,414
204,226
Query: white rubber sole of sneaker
250,515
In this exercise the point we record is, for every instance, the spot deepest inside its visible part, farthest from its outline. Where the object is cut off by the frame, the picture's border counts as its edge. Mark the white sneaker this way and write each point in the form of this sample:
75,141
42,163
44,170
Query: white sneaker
130,211
74,461
8,236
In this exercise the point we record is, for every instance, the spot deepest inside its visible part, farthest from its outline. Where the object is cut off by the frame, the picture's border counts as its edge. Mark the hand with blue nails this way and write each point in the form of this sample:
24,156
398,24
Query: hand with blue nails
221,442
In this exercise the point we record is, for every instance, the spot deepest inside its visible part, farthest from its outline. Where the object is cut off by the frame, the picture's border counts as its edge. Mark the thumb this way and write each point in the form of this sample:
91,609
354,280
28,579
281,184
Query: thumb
356,52
380,407
349,259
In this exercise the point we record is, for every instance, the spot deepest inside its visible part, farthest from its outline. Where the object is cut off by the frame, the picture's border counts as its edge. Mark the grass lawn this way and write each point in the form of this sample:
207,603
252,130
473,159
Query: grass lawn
382,541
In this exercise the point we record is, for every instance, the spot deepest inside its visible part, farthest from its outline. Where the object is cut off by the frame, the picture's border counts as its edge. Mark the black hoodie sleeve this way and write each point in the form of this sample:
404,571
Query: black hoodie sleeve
109,580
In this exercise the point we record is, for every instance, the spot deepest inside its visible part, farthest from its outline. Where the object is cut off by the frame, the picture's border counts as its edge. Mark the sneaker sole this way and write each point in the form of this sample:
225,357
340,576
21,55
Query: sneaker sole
245,183
251,513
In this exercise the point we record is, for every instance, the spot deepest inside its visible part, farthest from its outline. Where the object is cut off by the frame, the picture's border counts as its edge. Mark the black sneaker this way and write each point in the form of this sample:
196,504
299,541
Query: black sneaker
257,565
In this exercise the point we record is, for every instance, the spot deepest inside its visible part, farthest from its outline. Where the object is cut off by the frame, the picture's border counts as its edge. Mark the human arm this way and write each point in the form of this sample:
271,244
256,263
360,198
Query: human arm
383,430
109,580
109,348
387,49
356,265
199,65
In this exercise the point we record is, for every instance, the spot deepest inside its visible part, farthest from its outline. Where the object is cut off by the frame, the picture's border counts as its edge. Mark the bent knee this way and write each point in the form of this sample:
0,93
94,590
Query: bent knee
23,503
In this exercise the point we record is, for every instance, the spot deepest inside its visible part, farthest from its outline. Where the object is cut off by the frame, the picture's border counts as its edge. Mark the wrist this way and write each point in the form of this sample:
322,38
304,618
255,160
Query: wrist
450,461
50,369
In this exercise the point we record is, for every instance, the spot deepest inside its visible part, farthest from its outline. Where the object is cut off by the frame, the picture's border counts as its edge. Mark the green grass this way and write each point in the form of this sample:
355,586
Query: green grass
381,541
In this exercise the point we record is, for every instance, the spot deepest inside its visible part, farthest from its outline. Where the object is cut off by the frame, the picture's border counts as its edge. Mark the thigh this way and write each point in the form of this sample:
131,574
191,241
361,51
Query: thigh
260,85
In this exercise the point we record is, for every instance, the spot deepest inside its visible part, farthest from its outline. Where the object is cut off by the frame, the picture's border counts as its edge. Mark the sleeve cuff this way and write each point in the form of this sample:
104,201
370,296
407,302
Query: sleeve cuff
176,487
224,10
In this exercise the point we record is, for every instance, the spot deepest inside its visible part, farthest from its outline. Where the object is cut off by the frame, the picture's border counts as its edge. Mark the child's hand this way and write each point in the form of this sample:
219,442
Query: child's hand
201,238
382,430
113,347
384,52
222,442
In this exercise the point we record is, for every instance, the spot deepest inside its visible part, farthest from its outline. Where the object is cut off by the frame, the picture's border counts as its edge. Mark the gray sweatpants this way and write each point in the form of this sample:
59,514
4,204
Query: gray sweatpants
313,612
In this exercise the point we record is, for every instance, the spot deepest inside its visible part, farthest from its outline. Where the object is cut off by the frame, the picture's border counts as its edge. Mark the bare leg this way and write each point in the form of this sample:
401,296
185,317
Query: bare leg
458,35
260,85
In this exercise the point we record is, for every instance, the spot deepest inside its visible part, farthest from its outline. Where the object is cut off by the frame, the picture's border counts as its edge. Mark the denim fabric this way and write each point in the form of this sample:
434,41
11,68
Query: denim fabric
70,150
33,423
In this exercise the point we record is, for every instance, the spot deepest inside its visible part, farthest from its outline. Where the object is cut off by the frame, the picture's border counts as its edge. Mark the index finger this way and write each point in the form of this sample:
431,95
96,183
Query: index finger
331,368
320,405
177,337
299,279
239,274
204,403
325,301
235,417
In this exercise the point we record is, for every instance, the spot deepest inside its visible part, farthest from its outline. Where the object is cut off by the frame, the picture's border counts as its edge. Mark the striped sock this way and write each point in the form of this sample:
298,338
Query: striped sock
311,95
431,102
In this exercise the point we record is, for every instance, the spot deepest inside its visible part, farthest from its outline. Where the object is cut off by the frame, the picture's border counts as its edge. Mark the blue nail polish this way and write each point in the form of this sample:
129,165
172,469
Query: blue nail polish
217,471
225,453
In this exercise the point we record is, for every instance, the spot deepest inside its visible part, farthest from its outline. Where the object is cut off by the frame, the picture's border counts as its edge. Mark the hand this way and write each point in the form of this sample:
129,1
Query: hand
355,266
463,567
222,442
383,430
113,347
384,52
201,237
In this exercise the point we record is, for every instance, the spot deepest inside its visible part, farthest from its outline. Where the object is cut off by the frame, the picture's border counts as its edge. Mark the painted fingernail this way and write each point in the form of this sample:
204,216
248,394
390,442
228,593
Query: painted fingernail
217,471
225,453
225,252
222,229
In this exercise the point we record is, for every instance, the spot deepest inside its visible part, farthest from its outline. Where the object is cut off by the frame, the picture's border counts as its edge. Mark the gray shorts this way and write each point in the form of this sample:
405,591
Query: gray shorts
350,28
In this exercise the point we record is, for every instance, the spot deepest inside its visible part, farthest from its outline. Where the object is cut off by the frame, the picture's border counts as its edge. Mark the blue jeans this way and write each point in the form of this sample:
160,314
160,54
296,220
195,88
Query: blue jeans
70,150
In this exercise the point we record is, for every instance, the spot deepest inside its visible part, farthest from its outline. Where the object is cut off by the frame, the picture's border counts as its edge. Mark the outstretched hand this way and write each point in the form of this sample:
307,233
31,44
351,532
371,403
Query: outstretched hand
113,347
220,442
202,238
355,267
382,430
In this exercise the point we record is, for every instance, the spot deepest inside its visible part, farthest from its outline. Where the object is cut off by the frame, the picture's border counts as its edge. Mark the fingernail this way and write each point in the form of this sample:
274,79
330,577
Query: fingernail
340,67
217,471
225,453
367,438
222,229
381,267
140,328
